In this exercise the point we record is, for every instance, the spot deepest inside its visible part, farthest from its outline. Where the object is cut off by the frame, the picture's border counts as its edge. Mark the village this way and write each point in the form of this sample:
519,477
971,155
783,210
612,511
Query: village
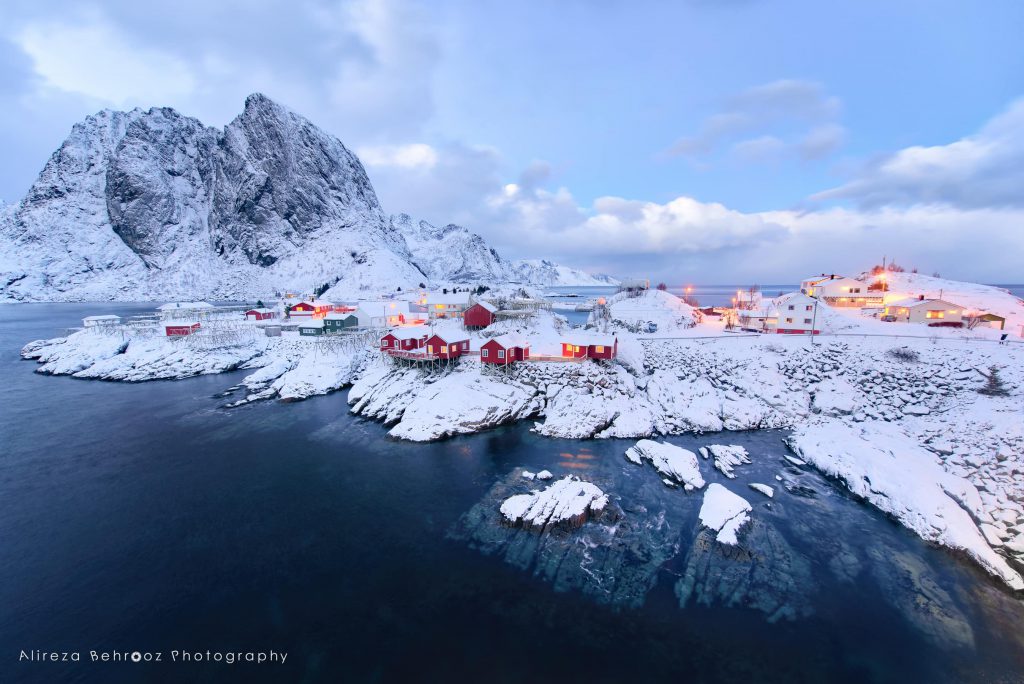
437,327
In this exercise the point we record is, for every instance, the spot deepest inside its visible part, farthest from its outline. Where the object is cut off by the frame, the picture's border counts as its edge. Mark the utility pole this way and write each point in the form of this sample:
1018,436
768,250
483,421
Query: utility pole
814,319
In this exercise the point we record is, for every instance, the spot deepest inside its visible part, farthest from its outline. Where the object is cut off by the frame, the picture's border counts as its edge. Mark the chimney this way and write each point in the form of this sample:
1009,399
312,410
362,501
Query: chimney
920,298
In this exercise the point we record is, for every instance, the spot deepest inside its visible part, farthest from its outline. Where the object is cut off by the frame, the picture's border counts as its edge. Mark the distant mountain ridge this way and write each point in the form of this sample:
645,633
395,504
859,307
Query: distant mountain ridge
151,205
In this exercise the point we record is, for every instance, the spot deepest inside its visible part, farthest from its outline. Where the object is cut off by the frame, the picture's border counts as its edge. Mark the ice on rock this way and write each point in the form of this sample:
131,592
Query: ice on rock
724,512
569,502
528,475
763,488
726,457
679,465
544,475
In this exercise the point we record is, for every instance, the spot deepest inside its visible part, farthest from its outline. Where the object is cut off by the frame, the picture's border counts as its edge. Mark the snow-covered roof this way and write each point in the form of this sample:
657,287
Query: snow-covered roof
439,298
178,323
912,302
412,332
101,318
262,310
184,305
487,305
589,338
339,315
315,303
509,340
312,323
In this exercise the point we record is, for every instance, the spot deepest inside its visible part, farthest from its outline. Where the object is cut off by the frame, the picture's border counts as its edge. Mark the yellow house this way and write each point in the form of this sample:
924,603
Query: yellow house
920,310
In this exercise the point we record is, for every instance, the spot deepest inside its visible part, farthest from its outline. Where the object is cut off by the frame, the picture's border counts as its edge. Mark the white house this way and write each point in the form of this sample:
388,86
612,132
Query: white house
837,290
441,305
921,310
794,314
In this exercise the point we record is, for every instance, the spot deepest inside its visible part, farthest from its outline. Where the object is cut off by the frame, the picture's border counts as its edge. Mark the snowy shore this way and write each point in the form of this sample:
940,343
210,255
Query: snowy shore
918,428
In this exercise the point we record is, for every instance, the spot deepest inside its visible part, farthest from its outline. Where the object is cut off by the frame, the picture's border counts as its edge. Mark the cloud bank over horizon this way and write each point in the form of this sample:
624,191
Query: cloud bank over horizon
730,171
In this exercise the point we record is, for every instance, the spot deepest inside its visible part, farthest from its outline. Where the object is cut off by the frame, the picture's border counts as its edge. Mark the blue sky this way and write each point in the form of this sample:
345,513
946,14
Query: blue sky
750,139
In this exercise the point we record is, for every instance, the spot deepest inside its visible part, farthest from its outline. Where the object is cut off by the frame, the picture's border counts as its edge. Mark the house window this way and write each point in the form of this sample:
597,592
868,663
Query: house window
808,307
600,349
430,349
444,348
790,307
935,314
385,343
483,353
807,320
576,348
789,320
501,353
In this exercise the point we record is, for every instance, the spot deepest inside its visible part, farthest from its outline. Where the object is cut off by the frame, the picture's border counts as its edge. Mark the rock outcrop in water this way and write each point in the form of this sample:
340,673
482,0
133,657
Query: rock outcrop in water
567,503
677,464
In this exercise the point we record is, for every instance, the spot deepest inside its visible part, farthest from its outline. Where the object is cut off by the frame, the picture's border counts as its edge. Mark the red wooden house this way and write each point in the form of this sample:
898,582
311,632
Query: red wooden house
260,314
404,339
446,346
317,308
480,315
180,328
504,350
587,345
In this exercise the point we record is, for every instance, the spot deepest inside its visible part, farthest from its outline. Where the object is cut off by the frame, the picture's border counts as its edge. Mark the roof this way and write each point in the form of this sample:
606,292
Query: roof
184,305
312,323
449,336
262,310
912,302
180,324
340,315
104,317
510,340
414,332
451,298
589,338
486,305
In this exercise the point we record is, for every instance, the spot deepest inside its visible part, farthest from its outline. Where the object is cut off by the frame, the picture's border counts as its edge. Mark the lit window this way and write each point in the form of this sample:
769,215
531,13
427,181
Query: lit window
430,349
600,349
935,314
576,348
444,348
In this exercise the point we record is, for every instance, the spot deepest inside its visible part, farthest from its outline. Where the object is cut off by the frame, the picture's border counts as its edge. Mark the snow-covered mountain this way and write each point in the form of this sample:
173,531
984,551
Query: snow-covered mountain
452,253
146,205
544,272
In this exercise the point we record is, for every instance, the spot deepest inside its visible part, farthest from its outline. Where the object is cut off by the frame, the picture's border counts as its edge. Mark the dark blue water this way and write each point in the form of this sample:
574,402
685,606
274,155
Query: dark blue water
144,517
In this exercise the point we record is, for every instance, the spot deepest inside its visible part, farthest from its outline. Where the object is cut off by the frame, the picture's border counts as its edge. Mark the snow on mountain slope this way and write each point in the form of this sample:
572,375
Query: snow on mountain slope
152,204
144,205
452,253
544,272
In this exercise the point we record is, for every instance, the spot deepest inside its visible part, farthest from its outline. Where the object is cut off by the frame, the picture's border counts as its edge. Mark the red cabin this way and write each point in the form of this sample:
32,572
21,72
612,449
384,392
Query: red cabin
260,314
404,339
504,350
441,348
480,315
181,329
590,346
317,308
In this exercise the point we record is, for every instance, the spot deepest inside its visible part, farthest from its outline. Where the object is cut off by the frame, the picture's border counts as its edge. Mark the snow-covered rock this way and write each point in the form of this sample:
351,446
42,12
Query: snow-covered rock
726,457
763,488
676,463
881,464
724,512
567,503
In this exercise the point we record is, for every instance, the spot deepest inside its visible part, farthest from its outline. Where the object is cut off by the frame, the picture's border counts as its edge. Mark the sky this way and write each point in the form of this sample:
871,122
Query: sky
692,141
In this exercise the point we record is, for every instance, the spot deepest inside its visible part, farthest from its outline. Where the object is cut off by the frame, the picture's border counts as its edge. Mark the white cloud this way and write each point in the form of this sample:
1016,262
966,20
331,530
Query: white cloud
412,156
93,60
769,122
981,170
